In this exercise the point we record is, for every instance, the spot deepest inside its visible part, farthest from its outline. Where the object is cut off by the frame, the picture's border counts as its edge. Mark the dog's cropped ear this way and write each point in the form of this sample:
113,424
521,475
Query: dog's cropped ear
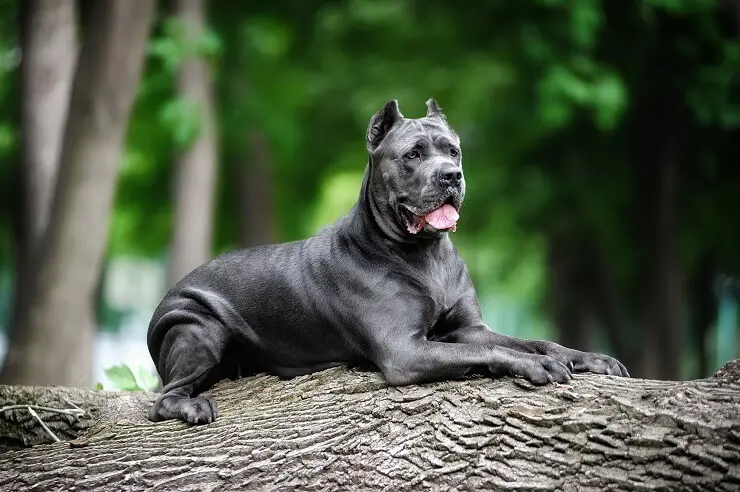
381,123
433,110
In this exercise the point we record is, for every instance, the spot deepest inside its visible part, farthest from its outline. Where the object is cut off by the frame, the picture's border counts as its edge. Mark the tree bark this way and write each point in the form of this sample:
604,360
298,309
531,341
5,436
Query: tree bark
49,50
347,430
195,167
55,332
49,47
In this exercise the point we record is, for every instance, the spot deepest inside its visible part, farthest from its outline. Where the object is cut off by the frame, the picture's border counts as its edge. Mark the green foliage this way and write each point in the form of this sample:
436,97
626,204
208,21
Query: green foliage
682,6
9,169
122,377
551,99
7,138
268,38
337,196
183,118
173,46
564,89
711,94
538,101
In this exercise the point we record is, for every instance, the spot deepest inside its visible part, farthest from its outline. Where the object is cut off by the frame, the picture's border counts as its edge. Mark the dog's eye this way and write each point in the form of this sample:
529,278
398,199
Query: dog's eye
454,152
414,154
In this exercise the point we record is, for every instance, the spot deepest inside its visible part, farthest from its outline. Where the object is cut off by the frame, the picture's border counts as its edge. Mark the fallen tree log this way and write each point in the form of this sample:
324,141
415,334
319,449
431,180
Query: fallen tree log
347,430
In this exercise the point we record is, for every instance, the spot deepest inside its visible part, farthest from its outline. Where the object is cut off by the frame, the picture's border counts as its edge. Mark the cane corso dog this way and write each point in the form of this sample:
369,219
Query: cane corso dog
383,286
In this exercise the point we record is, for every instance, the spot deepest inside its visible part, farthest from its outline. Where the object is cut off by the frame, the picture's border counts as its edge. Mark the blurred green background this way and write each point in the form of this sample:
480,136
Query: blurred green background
601,141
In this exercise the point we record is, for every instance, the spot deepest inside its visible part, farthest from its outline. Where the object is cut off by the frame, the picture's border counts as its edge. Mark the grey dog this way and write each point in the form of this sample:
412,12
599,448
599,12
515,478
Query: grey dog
383,286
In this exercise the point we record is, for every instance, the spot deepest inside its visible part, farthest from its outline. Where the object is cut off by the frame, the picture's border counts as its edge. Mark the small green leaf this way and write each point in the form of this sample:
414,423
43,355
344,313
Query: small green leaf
210,44
168,51
269,39
122,378
147,380
182,118
8,137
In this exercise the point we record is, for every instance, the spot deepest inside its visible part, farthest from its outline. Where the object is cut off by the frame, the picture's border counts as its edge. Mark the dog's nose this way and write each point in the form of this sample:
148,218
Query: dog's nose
450,176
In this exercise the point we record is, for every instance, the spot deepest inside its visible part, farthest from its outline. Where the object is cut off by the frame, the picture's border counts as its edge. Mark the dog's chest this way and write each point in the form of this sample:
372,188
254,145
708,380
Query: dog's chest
439,287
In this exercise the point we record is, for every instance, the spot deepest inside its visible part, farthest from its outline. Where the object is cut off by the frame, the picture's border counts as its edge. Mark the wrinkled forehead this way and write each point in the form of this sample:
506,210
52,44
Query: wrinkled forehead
409,132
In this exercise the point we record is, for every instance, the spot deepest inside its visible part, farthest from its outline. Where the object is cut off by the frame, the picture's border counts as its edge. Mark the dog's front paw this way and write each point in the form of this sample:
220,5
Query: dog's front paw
599,364
540,369
198,410
579,361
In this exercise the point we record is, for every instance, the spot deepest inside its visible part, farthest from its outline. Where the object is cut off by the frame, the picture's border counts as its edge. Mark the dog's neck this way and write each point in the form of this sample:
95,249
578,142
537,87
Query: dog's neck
386,233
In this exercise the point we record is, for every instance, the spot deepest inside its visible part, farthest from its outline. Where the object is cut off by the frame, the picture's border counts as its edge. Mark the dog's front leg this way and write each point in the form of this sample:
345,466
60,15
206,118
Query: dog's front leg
463,323
576,360
421,361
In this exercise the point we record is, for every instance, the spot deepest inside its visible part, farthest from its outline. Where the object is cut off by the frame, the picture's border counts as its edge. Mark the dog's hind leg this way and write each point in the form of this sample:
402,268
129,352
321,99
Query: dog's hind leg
191,357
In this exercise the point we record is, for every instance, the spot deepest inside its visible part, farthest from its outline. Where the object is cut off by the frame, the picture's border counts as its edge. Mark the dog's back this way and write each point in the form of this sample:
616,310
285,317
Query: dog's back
269,303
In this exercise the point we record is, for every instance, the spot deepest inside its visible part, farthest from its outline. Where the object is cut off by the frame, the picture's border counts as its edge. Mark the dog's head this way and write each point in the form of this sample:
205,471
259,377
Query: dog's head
416,170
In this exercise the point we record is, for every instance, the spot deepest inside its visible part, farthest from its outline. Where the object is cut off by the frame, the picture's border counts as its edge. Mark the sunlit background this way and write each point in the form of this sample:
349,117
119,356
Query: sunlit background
601,145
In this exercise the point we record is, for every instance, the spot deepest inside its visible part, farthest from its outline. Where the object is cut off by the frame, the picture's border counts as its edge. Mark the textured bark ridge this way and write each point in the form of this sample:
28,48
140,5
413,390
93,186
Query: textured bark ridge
347,430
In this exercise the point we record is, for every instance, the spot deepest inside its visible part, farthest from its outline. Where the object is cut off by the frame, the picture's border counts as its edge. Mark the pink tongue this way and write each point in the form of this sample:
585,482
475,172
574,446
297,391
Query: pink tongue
445,217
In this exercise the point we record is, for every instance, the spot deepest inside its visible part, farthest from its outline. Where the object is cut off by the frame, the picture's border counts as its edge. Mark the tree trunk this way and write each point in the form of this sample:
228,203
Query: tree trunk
703,312
661,126
256,216
195,167
581,292
662,352
662,302
56,330
250,159
607,304
567,304
49,48
347,430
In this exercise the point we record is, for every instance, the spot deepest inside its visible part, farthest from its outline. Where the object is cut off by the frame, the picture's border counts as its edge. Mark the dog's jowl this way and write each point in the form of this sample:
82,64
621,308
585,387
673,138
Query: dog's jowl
382,286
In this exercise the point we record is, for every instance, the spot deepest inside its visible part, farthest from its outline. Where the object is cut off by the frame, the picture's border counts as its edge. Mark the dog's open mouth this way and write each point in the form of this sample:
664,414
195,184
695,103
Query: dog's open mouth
442,218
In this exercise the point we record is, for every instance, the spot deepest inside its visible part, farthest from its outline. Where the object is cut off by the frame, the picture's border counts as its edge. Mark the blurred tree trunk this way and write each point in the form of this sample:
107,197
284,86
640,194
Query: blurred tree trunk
703,312
254,194
566,301
53,342
49,54
606,302
662,306
581,293
195,167
247,148
734,7
250,159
